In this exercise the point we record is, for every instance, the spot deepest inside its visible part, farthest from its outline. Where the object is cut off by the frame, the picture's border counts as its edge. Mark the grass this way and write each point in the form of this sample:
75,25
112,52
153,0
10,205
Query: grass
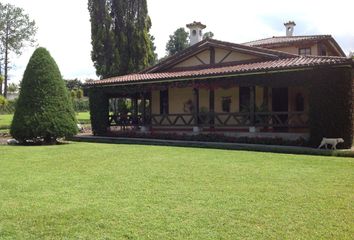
6,119
83,117
107,191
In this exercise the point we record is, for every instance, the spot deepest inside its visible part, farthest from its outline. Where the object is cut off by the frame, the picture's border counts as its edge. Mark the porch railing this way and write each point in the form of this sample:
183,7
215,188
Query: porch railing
125,120
239,119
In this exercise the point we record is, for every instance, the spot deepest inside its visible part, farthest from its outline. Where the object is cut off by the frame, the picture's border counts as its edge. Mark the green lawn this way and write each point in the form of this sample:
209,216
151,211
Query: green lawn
5,120
106,191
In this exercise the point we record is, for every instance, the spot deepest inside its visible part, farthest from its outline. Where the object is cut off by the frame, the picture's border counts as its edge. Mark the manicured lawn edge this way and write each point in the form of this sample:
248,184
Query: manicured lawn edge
216,145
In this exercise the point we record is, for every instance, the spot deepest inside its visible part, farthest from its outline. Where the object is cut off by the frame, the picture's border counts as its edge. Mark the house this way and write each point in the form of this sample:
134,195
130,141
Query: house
289,87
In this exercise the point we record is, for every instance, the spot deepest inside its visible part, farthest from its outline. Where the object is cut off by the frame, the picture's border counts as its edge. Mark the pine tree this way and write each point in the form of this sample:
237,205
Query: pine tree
43,110
121,42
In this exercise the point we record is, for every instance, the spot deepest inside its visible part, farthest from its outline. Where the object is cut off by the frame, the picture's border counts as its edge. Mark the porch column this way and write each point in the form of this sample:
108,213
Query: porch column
252,105
211,107
143,100
135,109
195,105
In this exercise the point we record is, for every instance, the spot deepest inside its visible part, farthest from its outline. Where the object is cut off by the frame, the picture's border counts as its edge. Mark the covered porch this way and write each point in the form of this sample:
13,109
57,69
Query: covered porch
249,106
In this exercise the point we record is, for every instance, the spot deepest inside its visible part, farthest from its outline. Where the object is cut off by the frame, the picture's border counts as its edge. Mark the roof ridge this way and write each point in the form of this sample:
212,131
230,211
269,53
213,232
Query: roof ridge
293,37
323,57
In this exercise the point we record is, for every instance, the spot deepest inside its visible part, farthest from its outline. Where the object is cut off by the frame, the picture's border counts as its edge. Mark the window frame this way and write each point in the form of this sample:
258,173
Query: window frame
307,51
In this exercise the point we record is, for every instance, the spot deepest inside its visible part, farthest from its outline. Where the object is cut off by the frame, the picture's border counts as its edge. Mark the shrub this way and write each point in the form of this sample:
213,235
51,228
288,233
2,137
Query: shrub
44,110
3,101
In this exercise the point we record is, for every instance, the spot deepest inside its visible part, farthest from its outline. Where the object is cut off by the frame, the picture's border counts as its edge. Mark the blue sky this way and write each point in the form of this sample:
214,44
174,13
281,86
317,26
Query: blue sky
64,27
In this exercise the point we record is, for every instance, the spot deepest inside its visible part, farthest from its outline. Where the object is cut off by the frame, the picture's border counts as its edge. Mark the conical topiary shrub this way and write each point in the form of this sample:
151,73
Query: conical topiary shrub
43,110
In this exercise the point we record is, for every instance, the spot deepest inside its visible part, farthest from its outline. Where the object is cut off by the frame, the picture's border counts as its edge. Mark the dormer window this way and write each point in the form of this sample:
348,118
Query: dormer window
322,50
304,51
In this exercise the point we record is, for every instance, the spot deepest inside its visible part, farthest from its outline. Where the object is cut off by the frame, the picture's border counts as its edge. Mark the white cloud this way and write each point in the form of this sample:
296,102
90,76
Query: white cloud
64,27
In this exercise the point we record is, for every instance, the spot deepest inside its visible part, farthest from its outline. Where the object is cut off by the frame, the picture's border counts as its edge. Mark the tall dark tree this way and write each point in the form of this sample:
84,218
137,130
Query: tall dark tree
43,109
178,42
104,55
121,42
16,31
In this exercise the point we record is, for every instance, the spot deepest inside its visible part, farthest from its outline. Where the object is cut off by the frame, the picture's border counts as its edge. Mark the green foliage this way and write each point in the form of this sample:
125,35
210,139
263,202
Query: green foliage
177,42
81,105
127,191
73,94
43,109
120,37
331,106
208,35
3,101
79,94
9,107
73,84
17,31
12,88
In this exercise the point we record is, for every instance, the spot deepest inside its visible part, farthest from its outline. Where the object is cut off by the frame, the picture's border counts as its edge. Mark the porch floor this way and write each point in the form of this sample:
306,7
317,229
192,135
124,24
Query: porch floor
215,145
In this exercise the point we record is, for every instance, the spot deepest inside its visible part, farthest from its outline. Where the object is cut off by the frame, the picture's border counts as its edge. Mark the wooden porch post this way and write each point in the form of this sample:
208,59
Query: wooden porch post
143,100
252,105
135,109
195,105
211,107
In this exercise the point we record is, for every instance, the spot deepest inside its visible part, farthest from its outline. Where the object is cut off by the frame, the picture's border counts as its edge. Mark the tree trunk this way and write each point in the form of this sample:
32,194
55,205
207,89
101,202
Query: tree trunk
5,69
0,82
6,60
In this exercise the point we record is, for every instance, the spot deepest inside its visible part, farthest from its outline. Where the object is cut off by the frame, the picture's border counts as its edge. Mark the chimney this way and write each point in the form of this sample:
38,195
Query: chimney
289,28
196,32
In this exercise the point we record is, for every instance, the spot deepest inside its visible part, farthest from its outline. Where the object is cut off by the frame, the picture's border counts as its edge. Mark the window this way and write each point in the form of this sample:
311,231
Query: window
245,97
194,32
322,50
304,51
299,103
200,33
164,102
226,104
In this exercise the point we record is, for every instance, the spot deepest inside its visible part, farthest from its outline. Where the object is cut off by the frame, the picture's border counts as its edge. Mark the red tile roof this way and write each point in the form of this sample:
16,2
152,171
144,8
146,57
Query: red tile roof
273,65
286,40
283,41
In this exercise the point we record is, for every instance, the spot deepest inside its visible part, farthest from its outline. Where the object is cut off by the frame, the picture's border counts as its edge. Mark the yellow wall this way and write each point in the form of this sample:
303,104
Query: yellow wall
203,99
230,92
295,50
219,55
177,98
233,57
155,102
193,61
236,56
